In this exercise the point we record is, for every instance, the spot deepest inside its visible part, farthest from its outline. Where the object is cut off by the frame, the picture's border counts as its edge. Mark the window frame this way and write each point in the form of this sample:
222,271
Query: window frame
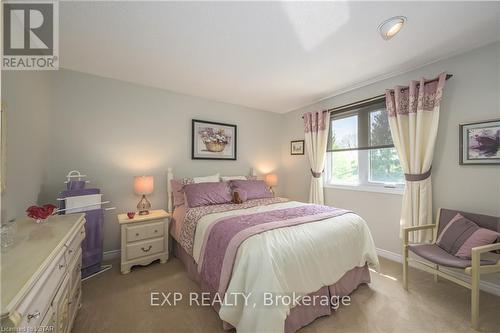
363,153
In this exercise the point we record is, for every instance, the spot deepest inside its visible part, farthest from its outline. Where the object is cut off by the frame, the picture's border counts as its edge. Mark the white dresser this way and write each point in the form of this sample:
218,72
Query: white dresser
41,275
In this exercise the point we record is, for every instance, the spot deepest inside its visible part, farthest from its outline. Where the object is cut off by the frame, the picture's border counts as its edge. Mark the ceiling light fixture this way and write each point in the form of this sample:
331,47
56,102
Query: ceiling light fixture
390,27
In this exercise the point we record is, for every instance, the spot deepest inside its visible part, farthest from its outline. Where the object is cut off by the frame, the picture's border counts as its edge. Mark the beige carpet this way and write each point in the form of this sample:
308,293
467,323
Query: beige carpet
120,303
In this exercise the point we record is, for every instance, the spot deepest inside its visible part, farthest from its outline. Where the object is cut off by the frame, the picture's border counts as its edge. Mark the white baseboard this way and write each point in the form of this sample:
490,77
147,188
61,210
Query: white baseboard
110,255
390,255
486,286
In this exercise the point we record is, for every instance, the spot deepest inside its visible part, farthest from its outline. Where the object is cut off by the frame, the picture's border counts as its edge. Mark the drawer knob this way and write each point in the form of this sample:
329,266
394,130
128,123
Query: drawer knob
137,234
33,315
61,266
156,231
148,249
70,251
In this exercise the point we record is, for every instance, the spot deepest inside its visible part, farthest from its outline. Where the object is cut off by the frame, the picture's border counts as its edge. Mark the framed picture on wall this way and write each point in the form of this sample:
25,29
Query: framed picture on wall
213,141
297,147
480,143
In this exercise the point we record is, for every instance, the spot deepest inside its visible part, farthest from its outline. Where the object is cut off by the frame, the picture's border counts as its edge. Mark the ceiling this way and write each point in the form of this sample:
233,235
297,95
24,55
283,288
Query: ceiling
274,56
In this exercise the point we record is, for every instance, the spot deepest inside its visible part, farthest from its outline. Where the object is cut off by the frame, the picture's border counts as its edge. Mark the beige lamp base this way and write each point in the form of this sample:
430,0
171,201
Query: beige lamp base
144,206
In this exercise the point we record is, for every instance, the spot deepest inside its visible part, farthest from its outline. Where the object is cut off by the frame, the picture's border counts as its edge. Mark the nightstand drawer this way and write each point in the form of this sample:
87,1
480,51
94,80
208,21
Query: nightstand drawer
146,248
150,230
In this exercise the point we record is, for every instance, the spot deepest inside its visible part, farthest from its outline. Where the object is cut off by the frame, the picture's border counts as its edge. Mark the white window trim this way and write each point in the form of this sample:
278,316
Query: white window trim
398,190
365,185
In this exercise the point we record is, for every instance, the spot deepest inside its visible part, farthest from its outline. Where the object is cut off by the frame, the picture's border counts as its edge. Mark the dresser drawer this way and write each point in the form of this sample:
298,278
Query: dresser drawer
145,248
37,302
75,270
61,305
144,231
75,244
74,301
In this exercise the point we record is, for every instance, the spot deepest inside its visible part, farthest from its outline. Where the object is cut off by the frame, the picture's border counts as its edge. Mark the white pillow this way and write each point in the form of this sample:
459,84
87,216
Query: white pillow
207,179
228,178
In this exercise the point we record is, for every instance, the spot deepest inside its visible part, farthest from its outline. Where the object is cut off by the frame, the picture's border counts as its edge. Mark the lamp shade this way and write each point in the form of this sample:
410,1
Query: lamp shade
271,179
143,184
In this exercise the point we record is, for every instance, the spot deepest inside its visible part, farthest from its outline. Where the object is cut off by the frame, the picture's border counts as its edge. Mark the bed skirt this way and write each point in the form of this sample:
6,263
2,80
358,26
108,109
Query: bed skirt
300,315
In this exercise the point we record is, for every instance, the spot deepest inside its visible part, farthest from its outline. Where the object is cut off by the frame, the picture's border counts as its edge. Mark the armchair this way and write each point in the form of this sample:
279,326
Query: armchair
436,257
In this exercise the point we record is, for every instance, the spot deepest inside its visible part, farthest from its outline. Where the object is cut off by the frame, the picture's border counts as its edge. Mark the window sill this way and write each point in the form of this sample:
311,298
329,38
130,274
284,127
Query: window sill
367,188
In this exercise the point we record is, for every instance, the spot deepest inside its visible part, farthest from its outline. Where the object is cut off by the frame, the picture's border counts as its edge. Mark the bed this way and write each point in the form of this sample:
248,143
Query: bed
271,264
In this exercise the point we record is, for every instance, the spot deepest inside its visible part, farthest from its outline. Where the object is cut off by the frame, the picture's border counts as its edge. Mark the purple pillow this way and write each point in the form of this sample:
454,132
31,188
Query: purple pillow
178,190
460,235
255,189
204,194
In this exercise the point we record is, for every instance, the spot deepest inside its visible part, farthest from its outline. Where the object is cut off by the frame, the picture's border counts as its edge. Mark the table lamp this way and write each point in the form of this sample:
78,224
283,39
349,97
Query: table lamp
143,185
271,180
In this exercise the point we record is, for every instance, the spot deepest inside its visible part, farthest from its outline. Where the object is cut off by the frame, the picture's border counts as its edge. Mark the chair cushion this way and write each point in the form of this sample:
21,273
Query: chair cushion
437,255
461,234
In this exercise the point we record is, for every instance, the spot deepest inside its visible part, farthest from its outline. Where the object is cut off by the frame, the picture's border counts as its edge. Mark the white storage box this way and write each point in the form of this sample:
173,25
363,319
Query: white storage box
82,203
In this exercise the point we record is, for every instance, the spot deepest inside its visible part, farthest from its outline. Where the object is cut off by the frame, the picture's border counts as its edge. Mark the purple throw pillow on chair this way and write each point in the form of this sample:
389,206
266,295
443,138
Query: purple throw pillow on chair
460,235
255,189
204,194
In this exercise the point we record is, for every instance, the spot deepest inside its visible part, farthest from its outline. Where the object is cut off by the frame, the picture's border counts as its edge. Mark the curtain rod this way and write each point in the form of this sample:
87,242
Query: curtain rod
374,98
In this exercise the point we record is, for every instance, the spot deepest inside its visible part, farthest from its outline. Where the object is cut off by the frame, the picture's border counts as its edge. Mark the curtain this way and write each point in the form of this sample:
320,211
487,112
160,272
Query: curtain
316,138
413,119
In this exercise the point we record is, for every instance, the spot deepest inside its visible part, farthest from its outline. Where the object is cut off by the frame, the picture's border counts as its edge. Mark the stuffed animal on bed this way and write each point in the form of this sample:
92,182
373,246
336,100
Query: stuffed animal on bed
239,196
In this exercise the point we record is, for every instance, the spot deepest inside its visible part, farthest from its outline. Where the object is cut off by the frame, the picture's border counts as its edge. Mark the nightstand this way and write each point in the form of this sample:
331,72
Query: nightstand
144,239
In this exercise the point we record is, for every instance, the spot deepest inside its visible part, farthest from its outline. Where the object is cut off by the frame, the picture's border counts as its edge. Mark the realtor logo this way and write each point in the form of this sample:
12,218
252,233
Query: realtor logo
30,35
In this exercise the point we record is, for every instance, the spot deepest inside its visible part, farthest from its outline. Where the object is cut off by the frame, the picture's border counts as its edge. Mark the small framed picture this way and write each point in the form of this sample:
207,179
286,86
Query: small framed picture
480,143
297,147
213,141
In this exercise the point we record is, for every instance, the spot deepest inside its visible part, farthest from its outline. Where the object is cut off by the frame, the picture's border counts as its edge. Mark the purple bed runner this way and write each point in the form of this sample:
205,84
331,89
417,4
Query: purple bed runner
193,215
223,238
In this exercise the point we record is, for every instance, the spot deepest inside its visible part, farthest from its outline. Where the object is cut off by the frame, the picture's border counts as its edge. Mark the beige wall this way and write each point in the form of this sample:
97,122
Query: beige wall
26,95
471,95
113,130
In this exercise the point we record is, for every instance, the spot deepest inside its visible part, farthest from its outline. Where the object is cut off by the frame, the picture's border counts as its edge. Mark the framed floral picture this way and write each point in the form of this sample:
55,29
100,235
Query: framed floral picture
480,142
297,147
213,141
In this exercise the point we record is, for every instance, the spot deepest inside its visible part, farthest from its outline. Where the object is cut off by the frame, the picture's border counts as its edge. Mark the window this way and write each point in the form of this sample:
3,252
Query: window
360,148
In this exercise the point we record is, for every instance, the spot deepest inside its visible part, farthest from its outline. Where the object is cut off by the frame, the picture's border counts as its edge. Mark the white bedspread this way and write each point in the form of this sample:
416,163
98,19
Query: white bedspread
299,259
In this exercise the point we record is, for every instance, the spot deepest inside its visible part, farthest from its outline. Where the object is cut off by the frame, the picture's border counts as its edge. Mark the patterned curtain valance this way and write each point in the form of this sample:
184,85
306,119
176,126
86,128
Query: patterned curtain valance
315,121
418,96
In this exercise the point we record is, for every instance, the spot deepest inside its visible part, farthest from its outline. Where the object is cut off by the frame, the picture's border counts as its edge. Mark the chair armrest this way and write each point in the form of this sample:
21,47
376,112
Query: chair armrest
419,227
475,269
407,230
486,248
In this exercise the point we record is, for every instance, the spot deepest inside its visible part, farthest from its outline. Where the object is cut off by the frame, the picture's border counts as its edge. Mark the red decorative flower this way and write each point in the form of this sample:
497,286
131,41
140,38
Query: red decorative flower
36,212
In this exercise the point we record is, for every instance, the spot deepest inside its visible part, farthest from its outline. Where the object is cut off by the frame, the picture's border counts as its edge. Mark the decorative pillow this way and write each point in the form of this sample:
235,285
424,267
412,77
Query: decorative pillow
460,235
204,194
178,186
239,196
229,178
178,190
255,189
